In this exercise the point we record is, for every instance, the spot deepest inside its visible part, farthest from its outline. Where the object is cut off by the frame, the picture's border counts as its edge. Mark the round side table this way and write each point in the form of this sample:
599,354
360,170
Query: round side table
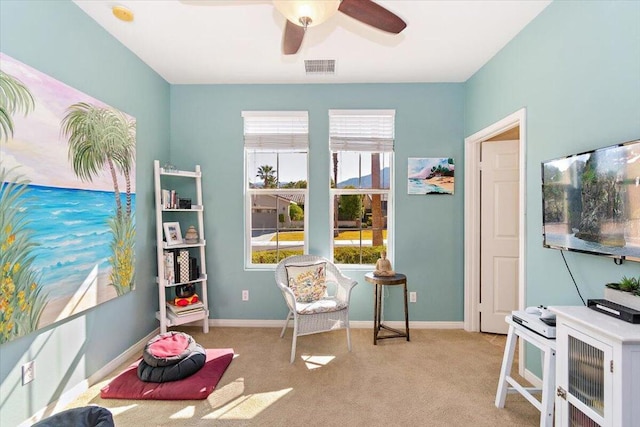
379,282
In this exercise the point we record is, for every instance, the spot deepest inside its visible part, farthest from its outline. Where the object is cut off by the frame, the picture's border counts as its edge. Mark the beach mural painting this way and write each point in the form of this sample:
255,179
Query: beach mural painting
67,201
430,175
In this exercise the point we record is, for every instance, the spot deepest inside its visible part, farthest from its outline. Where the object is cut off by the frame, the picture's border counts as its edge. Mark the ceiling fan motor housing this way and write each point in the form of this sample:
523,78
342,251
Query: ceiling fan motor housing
307,13
301,14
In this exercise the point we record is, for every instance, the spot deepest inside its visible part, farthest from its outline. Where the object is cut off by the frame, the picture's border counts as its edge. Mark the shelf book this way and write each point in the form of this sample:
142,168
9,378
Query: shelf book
185,310
168,199
180,267
169,267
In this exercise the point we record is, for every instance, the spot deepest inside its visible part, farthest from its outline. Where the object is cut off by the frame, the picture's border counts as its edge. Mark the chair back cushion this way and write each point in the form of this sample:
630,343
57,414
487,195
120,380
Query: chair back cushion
307,281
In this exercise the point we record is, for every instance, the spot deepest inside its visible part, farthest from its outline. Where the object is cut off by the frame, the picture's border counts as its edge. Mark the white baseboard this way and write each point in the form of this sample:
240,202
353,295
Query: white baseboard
72,394
366,324
246,323
355,324
133,351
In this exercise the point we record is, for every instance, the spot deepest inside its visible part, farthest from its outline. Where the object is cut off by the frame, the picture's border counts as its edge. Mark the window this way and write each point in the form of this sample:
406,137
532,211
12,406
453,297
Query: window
361,144
275,150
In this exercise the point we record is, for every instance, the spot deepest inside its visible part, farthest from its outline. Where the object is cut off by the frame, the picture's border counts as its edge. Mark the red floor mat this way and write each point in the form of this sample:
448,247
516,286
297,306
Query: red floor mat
198,386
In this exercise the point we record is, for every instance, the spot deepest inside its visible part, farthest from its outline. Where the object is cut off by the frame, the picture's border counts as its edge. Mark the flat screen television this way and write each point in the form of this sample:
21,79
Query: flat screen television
591,202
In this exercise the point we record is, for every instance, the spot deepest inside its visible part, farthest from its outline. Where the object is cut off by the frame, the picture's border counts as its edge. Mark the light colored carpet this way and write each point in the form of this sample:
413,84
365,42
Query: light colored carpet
440,378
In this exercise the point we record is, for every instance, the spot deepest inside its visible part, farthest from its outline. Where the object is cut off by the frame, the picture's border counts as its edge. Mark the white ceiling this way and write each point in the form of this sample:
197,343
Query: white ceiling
237,41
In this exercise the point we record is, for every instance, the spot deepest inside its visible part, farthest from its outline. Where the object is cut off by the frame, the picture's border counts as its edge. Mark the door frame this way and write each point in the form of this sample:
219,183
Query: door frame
472,228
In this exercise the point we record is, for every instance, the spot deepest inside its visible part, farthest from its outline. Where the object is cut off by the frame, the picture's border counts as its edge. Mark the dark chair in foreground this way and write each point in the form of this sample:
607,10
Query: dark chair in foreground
87,416
317,295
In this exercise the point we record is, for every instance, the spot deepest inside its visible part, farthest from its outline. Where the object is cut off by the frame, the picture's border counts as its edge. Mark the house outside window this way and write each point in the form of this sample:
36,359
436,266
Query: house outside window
276,173
361,144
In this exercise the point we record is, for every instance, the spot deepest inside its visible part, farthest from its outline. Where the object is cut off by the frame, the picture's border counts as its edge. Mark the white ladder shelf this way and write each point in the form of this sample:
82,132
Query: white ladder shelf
166,317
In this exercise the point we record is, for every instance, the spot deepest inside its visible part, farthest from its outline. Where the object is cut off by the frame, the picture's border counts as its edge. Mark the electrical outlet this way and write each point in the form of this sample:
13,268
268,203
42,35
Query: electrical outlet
28,372
413,296
245,295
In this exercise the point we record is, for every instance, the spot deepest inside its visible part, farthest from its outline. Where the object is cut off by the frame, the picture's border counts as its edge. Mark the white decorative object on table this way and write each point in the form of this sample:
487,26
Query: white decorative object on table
383,266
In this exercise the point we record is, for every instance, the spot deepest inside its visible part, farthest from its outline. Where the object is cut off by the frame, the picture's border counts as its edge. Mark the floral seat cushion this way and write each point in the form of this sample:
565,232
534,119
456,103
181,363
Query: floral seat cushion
308,282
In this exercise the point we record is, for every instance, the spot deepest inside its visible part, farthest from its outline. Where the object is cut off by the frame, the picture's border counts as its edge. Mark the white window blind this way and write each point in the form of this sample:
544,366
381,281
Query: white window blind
361,130
279,130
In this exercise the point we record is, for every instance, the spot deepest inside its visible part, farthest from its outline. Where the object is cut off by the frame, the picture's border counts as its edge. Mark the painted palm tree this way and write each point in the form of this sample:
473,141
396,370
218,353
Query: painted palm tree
267,174
14,98
125,159
100,137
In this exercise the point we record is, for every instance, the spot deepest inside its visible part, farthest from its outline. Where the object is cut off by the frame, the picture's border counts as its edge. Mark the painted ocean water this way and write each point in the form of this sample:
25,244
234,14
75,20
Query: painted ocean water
420,186
70,226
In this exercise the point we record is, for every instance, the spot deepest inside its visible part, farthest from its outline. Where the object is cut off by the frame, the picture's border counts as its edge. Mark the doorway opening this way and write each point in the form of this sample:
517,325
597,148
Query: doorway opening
472,239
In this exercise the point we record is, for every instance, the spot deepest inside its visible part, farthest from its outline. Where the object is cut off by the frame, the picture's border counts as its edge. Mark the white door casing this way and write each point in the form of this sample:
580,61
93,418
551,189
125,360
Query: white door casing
472,217
499,224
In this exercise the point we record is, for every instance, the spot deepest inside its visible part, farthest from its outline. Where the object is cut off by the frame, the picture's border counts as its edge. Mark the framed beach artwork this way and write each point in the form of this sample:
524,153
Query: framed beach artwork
430,175
67,229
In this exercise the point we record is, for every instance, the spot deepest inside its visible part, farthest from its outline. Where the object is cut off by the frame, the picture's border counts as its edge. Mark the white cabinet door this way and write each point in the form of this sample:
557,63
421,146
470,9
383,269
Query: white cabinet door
584,379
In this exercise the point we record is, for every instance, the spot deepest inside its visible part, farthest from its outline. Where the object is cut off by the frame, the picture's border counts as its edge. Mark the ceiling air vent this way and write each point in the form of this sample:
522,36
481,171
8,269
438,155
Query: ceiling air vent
320,66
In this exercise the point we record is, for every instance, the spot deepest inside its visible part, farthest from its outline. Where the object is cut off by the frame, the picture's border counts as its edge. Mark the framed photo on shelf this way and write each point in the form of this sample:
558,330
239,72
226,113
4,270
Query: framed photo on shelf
172,233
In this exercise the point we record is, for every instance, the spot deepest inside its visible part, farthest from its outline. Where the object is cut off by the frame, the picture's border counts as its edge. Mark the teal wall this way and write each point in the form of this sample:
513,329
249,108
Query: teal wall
60,40
206,128
576,69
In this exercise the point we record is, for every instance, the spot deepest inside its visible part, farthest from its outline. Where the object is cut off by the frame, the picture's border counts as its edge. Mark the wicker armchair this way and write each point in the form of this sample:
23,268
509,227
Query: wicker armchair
328,313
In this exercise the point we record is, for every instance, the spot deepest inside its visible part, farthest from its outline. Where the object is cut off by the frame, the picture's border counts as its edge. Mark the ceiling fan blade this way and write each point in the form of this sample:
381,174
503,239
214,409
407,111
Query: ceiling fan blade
372,14
292,38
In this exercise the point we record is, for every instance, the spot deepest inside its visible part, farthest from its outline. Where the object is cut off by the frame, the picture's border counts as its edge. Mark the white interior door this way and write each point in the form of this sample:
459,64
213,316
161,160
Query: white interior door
499,236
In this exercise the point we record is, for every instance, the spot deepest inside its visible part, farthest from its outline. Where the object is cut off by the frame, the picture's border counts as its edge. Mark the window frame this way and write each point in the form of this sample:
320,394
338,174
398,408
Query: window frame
367,147
283,144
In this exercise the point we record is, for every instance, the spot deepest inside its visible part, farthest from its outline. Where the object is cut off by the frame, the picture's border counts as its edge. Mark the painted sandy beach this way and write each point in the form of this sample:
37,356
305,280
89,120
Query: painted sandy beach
94,291
444,182
430,175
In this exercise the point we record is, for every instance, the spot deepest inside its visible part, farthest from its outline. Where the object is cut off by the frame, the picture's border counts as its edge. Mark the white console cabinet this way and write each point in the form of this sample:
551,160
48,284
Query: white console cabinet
597,369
